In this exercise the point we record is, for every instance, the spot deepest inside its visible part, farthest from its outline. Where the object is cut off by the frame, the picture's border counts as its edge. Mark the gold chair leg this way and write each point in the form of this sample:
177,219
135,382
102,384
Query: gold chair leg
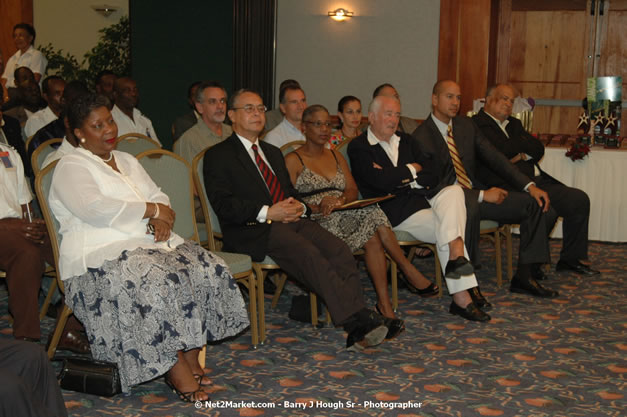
46,305
497,251
260,303
508,248
254,321
280,284
58,331
313,301
202,357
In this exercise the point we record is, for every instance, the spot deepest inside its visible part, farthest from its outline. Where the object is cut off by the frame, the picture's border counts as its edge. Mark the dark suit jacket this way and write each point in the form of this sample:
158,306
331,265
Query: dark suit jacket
472,146
54,129
375,182
519,141
13,132
237,192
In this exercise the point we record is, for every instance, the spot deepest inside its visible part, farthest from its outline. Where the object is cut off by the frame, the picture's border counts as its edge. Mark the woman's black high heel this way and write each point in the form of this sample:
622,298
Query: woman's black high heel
430,291
395,326
188,397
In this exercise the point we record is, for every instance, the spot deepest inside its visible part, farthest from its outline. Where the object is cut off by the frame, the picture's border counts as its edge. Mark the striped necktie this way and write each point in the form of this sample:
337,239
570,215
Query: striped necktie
460,172
271,180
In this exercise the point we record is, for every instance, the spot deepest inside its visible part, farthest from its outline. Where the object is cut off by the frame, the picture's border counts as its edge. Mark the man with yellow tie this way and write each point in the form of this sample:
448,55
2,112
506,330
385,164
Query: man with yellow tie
455,145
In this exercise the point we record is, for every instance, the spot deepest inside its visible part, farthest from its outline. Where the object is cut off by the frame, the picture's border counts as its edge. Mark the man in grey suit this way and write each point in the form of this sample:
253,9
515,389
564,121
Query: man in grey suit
454,144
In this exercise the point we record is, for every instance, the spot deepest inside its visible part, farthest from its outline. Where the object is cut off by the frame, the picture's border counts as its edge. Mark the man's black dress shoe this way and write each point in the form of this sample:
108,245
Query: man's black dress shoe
531,287
537,273
458,267
575,266
365,329
395,326
479,300
471,312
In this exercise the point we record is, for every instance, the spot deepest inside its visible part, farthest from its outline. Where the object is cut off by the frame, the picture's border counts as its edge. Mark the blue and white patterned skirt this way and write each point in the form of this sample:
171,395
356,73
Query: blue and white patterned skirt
140,309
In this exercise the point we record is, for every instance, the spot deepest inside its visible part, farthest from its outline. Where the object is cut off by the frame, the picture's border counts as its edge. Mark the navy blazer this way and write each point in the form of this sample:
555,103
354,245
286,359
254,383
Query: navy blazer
13,132
237,192
519,141
473,149
390,179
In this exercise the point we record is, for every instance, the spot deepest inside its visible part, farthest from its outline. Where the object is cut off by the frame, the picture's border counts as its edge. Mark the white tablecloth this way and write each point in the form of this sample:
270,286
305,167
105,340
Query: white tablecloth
603,175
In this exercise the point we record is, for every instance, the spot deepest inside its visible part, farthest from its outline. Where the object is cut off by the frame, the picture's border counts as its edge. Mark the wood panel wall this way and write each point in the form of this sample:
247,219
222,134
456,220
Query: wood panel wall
12,13
465,44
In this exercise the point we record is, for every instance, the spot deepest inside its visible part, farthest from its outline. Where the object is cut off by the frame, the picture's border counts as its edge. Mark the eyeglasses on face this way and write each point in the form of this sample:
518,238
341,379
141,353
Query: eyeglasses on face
249,108
319,124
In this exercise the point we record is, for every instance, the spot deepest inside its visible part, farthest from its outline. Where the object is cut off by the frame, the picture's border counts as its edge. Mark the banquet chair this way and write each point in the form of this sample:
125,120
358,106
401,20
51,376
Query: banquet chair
493,230
291,146
241,265
135,143
42,151
43,181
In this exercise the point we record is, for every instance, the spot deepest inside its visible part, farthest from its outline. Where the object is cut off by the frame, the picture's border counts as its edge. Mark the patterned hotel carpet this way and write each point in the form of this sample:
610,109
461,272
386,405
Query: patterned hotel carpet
563,357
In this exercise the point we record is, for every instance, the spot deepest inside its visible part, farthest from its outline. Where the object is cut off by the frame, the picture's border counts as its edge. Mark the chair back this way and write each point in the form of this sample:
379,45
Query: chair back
43,183
135,143
173,175
343,149
291,146
42,151
211,219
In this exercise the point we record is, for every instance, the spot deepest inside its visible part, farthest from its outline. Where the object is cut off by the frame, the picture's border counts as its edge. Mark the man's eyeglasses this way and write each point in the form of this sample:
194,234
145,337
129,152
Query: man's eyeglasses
249,108
319,124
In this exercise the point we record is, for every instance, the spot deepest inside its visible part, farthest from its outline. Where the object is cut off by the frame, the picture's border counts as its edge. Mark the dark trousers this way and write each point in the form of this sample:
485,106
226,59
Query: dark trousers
518,208
28,384
573,205
23,262
321,262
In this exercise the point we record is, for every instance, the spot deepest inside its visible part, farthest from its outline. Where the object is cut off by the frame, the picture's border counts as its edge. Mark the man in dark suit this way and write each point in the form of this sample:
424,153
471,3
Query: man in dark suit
384,161
12,135
261,215
507,135
454,144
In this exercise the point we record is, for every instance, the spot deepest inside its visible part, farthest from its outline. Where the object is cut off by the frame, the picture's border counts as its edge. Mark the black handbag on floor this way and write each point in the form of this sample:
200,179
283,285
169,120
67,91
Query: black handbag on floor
90,377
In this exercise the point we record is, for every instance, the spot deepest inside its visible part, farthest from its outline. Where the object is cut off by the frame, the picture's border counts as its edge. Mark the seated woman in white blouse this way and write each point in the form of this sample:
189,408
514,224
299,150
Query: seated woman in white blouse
148,300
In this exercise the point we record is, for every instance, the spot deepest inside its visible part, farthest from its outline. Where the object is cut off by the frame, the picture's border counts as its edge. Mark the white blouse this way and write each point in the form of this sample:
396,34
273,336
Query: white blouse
100,210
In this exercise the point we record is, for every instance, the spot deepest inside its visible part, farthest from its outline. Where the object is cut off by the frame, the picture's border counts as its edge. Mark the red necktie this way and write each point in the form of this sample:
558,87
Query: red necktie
271,180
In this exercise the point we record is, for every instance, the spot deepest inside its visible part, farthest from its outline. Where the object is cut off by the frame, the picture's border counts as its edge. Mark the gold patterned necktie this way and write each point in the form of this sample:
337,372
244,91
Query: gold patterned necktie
460,172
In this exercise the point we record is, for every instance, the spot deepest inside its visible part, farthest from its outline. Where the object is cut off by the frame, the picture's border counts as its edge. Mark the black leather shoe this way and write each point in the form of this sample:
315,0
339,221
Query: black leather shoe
531,287
471,312
395,326
458,267
537,273
365,329
479,300
576,267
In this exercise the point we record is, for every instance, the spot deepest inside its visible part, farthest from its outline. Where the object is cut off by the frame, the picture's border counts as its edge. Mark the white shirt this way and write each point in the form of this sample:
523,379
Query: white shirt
32,59
100,210
284,133
139,123
14,189
391,149
38,120
65,148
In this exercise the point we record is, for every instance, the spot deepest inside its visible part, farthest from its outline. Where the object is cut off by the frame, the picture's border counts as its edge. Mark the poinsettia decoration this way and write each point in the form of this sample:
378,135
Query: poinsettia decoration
577,151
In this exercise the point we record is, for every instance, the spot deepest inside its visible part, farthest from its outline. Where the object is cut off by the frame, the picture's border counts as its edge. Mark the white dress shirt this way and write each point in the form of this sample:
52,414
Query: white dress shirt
32,59
14,189
139,123
38,120
391,149
100,210
284,133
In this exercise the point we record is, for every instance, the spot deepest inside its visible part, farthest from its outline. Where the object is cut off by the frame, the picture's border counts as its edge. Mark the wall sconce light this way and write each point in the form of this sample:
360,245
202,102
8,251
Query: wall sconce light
340,14
104,9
